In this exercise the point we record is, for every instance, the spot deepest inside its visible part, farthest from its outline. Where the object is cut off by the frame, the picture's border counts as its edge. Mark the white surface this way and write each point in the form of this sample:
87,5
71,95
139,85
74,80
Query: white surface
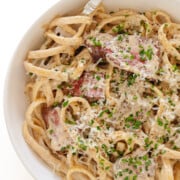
15,18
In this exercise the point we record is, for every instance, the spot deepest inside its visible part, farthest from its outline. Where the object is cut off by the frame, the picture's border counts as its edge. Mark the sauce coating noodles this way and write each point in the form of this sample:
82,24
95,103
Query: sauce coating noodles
104,96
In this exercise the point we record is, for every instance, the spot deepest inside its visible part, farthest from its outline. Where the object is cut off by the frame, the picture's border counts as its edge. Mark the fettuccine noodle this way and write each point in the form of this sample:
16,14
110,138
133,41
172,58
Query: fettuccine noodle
104,96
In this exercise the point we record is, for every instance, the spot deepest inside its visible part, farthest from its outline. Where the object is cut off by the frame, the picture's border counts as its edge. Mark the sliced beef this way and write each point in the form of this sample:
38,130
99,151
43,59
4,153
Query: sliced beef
128,52
90,85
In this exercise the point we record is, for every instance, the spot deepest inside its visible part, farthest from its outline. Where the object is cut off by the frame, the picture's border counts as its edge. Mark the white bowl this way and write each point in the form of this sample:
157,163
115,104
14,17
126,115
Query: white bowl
14,98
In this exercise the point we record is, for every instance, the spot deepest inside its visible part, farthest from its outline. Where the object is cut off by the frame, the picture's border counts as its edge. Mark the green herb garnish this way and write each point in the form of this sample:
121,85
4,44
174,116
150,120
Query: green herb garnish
110,114
132,57
51,131
107,76
119,29
120,38
144,24
131,122
59,86
147,143
174,68
91,122
129,141
72,122
146,54
98,78
171,102
81,144
55,104
65,103
131,79
135,98
159,121
96,42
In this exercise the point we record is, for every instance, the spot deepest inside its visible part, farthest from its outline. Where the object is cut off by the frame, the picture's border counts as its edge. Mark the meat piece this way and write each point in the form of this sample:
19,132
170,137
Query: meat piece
50,115
96,45
128,52
137,165
90,85
55,130
97,53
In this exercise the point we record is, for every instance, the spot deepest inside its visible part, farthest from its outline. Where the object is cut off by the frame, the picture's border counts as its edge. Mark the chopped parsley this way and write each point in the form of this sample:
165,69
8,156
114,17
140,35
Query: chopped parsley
178,131
146,54
129,141
55,104
160,71
97,149
72,122
125,56
65,148
132,57
159,121
94,104
162,151
110,114
131,79
156,146
174,68
165,25
163,139
148,113
120,38
134,177
65,103
95,42
51,131
145,25
171,102
107,150
81,144
128,172
98,78
119,29
91,122
147,164
147,142
131,122
107,168
107,76
175,147
101,162
59,86
103,165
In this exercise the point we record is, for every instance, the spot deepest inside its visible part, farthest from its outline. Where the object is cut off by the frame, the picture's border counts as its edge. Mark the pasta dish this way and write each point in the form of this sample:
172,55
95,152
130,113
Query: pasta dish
104,96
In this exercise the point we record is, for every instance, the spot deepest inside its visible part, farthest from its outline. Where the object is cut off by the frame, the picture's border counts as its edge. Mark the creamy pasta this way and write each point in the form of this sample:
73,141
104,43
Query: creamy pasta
104,96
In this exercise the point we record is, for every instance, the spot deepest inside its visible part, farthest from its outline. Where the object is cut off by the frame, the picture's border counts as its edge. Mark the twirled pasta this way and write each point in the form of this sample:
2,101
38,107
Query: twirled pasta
104,95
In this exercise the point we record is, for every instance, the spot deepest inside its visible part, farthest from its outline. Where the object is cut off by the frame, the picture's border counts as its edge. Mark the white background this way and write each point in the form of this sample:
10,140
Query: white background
16,16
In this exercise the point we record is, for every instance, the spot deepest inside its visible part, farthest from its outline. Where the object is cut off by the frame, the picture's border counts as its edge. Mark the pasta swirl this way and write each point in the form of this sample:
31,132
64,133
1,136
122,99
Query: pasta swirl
104,96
